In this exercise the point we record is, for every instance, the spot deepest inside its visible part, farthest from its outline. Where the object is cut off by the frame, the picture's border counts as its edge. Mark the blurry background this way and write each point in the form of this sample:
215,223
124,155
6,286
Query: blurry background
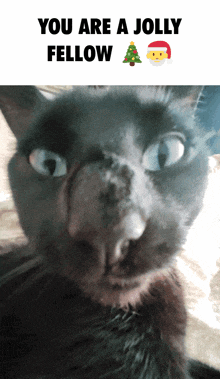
199,261
209,114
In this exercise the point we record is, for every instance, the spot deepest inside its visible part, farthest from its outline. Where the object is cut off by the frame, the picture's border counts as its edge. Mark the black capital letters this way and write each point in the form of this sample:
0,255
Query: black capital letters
122,26
146,29
89,53
50,52
43,24
84,27
106,26
176,24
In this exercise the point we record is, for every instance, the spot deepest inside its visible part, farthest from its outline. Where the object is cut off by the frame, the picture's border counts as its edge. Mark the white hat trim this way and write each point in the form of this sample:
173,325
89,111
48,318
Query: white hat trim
157,48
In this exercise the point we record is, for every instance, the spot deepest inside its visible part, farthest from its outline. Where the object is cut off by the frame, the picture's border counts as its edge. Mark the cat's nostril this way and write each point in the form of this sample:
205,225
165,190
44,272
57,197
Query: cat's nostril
84,246
128,246
120,251
133,244
96,155
125,247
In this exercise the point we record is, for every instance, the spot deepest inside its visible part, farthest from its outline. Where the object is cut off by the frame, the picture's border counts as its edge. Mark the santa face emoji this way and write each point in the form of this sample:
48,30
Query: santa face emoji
157,57
158,53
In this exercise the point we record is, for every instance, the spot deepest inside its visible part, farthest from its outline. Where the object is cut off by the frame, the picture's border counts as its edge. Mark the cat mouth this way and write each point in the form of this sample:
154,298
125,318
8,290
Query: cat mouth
121,292
121,283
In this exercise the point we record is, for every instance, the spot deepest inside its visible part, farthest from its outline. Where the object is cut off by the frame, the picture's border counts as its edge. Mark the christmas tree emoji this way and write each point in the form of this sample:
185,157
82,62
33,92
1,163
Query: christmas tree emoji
132,56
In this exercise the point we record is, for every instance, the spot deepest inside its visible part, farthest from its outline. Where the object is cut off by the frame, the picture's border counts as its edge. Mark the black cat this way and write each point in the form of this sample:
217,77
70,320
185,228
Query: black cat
107,182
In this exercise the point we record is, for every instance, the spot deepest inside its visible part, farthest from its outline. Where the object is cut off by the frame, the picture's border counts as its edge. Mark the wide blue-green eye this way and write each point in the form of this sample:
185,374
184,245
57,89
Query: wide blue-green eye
163,154
48,163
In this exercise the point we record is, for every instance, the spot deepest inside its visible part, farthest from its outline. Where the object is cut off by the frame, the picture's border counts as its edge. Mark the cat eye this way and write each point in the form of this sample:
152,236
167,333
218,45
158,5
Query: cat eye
163,154
48,163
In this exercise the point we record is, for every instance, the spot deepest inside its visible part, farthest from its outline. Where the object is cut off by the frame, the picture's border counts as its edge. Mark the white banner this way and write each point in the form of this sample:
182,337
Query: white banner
69,42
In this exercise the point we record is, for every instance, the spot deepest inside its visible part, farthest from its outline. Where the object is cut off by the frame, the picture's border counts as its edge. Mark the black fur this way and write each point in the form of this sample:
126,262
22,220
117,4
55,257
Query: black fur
66,312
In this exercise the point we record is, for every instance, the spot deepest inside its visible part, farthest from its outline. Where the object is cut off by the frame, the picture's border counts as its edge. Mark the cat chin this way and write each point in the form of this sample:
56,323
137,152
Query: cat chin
121,298
119,292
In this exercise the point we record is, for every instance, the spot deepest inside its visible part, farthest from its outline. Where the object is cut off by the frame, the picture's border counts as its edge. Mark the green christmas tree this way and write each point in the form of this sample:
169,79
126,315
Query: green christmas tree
132,56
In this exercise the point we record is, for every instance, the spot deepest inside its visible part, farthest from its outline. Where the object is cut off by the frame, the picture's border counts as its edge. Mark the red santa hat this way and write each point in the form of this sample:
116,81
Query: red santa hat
160,46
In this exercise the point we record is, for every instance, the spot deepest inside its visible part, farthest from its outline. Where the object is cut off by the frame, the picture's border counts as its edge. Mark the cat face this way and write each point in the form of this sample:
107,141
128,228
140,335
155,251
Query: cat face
107,183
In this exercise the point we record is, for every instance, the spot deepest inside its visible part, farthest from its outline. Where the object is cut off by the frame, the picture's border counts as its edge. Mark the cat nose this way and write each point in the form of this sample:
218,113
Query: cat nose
123,237
105,212
111,244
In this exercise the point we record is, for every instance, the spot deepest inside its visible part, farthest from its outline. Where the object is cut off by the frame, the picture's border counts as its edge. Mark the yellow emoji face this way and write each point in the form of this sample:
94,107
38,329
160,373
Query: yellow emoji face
157,56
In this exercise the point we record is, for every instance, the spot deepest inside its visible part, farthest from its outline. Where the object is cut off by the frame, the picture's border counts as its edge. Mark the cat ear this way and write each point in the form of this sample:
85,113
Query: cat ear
18,105
188,95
